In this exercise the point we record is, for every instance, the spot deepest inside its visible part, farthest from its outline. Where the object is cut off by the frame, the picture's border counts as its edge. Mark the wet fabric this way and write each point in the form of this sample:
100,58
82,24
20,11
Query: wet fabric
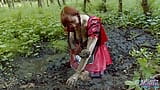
100,57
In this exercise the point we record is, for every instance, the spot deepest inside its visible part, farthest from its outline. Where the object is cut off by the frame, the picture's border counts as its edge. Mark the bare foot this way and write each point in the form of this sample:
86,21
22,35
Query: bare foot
84,76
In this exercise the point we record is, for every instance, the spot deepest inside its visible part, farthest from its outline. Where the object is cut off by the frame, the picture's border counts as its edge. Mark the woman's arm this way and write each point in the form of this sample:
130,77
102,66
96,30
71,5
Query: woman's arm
71,40
90,47
87,54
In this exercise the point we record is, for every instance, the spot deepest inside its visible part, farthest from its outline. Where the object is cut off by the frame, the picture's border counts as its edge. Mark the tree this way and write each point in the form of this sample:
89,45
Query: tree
30,1
120,7
48,3
40,3
64,3
145,7
52,1
84,5
2,2
103,7
59,3
10,3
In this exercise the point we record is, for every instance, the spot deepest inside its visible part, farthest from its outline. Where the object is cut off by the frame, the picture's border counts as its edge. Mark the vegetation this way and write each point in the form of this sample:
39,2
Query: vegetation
148,63
20,31
24,25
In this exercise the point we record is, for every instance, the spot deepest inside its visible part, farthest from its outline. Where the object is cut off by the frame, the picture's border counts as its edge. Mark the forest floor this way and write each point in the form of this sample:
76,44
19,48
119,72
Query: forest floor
50,71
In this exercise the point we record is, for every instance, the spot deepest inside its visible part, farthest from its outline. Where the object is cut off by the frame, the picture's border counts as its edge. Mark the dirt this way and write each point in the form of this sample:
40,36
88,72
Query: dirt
50,71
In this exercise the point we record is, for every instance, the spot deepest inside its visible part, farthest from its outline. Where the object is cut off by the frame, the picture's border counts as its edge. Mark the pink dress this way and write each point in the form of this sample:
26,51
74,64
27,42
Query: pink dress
100,56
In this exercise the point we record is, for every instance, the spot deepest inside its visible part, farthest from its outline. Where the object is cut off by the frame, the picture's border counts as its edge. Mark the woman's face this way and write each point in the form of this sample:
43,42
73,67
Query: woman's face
73,23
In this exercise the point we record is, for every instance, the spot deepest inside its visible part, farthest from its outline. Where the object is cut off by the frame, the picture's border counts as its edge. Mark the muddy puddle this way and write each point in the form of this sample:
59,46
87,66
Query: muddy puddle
50,72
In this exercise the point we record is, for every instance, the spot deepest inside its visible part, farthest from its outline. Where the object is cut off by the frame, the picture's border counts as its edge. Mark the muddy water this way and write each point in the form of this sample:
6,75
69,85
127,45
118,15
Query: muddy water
50,72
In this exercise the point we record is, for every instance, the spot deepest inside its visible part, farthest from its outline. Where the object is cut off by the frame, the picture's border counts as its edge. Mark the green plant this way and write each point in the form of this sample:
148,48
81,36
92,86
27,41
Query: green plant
60,45
21,30
148,63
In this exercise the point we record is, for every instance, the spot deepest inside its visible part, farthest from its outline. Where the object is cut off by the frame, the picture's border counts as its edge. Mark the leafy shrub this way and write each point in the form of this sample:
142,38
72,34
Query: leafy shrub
148,63
60,45
19,32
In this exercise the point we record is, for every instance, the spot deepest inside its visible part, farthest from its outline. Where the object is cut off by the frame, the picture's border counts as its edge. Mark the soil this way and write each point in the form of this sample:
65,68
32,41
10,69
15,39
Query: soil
50,71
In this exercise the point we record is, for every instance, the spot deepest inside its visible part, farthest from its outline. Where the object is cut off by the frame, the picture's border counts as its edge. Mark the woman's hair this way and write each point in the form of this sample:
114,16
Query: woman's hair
68,12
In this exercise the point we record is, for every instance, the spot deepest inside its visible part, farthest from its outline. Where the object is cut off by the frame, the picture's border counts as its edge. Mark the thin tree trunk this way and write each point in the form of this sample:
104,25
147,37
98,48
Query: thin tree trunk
104,8
12,2
48,3
40,3
145,7
59,3
30,2
9,3
120,7
64,2
5,2
84,5
52,1
2,2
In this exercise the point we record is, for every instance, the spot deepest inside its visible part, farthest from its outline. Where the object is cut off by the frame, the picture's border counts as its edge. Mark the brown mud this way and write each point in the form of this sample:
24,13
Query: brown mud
50,71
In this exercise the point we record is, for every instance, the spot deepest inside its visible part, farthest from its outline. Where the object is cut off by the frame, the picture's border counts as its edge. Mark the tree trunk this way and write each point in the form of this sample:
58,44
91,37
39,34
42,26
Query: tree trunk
88,1
104,8
5,2
84,5
9,3
120,7
30,2
59,3
64,2
40,3
2,2
48,3
52,1
12,2
145,7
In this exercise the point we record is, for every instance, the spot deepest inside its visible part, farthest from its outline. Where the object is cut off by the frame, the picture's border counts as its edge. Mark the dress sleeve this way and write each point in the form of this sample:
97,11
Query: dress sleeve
94,28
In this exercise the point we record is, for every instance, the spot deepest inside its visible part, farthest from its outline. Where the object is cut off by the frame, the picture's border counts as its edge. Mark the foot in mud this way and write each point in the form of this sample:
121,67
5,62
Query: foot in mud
85,76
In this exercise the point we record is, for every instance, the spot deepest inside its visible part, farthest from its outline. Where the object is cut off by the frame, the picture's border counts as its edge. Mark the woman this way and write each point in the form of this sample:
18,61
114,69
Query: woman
86,39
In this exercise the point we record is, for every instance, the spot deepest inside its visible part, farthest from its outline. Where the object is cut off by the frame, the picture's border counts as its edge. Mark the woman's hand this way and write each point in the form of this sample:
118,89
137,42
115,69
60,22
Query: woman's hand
84,53
73,79
76,50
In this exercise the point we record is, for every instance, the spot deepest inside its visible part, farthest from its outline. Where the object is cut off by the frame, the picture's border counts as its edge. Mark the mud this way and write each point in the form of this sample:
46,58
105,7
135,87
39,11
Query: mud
50,71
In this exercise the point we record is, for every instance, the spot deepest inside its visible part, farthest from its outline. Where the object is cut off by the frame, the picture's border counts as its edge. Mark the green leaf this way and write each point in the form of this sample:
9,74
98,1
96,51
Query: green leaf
129,83
1,67
3,46
10,54
138,88
131,87
142,62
